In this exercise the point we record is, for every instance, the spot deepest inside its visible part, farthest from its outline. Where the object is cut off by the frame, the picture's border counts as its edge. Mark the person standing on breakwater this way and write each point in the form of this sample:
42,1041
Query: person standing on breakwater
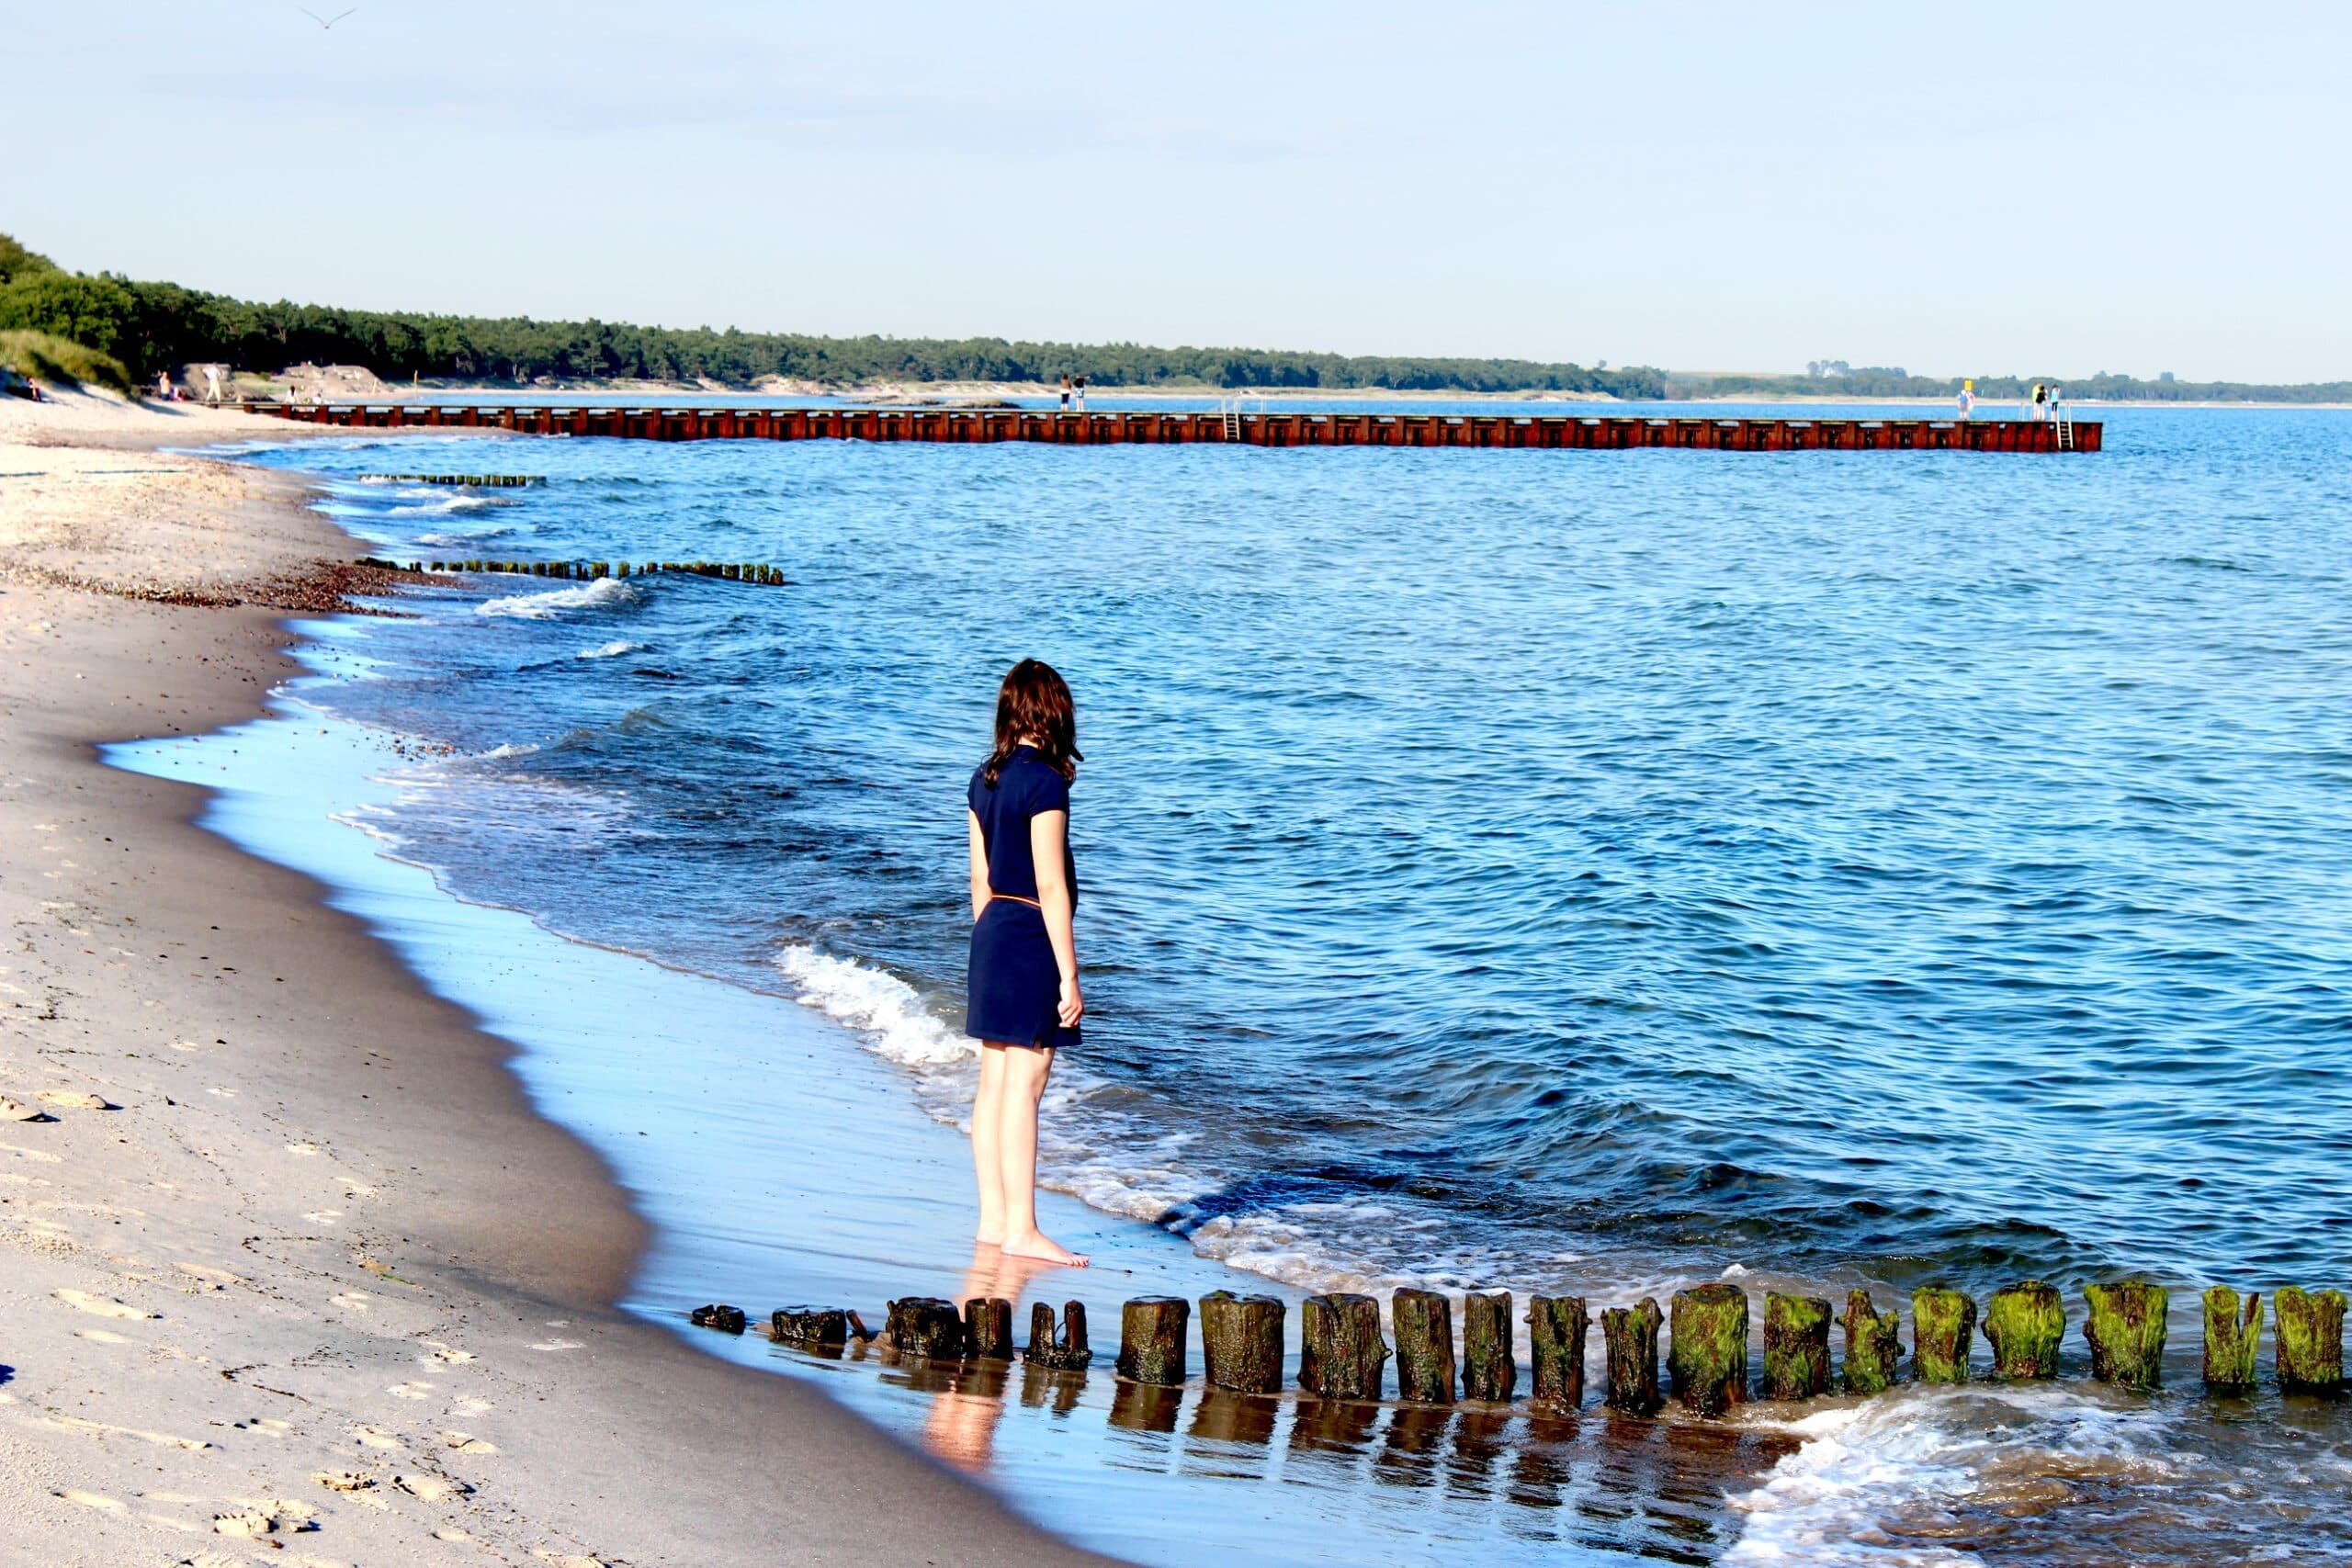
1024,1001
1968,400
1065,394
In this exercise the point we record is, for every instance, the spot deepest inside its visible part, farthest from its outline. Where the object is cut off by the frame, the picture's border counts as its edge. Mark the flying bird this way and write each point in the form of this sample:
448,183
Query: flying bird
324,21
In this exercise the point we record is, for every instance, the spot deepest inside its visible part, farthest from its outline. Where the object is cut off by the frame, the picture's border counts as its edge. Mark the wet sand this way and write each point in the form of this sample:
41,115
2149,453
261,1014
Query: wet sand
291,1263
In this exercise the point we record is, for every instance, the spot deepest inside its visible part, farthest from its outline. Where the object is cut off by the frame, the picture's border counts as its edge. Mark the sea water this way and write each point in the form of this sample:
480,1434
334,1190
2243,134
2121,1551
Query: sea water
1568,871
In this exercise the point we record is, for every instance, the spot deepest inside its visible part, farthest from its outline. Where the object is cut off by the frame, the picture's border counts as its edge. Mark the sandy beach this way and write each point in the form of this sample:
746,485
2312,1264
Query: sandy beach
294,1273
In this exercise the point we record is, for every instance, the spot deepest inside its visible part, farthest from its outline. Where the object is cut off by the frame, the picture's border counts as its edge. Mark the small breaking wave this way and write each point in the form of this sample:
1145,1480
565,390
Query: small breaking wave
612,650
606,592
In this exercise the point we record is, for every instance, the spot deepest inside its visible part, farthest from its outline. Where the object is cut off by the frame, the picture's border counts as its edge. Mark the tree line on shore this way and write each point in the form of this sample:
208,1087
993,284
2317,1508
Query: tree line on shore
142,327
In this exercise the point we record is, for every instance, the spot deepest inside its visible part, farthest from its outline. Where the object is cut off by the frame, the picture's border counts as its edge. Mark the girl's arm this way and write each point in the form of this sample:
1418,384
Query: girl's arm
1048,851
980,862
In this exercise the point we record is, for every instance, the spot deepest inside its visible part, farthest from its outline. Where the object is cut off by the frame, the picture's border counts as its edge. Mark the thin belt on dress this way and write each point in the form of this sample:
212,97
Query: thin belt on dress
1016,899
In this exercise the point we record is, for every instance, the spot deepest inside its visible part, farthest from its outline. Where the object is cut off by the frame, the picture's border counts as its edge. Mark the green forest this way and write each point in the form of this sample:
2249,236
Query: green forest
149,327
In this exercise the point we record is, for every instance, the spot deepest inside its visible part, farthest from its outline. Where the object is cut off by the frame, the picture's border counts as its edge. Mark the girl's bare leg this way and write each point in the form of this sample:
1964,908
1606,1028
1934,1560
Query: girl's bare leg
1022,1086
987,1135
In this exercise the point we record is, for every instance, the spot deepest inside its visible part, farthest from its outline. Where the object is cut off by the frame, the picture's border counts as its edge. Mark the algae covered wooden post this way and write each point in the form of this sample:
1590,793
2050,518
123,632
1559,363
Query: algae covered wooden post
1630,1335
1241,1341
1874,1346
2025,1324
2308,1346
987,1329
1796,1345
1942,1325
2124,1324
1489,1364
1340,1351
1151,1338
1556,1333
1422,1324
2232,1336
1707,1356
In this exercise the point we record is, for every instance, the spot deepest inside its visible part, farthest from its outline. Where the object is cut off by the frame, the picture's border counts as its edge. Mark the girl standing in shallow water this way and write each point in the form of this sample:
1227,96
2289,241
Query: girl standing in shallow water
1025,1001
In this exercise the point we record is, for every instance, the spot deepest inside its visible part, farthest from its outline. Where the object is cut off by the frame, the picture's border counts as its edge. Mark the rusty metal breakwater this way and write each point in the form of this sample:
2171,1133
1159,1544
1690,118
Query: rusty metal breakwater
1606,432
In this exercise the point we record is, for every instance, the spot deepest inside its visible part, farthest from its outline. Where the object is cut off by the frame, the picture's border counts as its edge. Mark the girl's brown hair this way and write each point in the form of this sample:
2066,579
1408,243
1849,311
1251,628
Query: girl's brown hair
1035,701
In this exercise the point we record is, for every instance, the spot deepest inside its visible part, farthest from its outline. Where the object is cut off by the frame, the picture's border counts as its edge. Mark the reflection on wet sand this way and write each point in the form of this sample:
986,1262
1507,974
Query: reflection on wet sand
968,1398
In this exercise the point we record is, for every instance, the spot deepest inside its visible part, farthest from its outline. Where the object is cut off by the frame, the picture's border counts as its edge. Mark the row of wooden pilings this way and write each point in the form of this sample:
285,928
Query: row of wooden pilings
1343,1355
1577,432
590,570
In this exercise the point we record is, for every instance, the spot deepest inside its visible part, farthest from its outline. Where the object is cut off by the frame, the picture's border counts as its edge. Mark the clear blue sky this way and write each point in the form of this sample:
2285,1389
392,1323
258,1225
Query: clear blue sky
2062,188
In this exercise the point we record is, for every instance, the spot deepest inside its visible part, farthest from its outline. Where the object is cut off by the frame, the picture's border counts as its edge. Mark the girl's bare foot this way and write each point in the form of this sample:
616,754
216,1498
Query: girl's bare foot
984,1239
1038,1244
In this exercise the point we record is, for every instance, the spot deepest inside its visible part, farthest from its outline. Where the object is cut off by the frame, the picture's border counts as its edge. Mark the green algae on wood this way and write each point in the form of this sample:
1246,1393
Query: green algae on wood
2309,1348
1874,1346
2232,1333
1796,1345
1422,1323
1556,1333
2125,1327
1630,1335
1489,1359
2025,1324
1943,1324
1067,1352
1241,1341
1151,1338
1707,1357
1340,1351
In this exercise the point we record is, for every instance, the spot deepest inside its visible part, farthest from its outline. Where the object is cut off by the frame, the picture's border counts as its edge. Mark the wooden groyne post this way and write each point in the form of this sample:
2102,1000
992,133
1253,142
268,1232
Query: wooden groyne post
2232,1334
1422,1322
1874,1346
1707,1355
1555,1336
1152,1340
1943,1324
1066,1353
2309,1348
1341,1352
2025,1323
1796,1346
1241,1341
987,1329
1489,1360
2124,1324
1630,1337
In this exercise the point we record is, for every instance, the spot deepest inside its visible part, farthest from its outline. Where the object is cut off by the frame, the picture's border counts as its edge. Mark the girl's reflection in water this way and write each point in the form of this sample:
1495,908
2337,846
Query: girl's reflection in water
967,1401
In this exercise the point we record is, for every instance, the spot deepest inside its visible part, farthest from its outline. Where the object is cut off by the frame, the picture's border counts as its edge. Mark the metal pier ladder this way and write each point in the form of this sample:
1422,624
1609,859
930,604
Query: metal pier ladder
2065,434
1229,409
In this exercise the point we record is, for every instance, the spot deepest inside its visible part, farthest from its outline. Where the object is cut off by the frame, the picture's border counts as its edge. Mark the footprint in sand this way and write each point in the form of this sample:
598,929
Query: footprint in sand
104,1337
204,1271
432,1488
375,1436
73,1100
93,1500
104,1306
304,1149
411,1390
465,1444
354,1301
449,1353
559,1345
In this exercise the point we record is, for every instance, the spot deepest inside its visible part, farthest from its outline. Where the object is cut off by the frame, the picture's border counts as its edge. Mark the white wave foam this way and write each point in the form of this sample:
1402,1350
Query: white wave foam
612,650
451,538
879,1006
446,506
512,749
604,594
1914,1455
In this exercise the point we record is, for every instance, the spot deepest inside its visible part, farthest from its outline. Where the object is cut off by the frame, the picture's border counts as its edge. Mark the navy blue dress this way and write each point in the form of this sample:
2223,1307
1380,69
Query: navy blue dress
1014,988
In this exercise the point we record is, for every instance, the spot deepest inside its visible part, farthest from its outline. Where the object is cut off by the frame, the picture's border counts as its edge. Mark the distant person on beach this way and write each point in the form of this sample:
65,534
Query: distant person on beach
1023,992
212,384
1968,400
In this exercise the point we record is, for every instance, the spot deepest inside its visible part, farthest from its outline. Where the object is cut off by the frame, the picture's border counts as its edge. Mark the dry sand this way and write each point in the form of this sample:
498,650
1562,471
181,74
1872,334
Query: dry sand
289,1270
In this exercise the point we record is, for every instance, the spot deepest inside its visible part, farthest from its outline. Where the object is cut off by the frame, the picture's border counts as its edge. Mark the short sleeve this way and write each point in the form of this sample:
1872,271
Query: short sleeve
1049,790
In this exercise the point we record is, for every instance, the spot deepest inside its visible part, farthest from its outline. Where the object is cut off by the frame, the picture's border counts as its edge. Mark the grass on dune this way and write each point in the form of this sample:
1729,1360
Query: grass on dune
40,357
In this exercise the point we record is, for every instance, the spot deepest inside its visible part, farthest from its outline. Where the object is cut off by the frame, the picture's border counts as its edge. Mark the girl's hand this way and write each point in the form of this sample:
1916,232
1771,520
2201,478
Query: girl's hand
1073,1005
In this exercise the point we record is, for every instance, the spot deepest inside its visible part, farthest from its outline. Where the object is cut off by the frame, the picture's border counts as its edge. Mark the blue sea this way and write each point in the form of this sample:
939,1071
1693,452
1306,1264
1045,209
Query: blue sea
1573,871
